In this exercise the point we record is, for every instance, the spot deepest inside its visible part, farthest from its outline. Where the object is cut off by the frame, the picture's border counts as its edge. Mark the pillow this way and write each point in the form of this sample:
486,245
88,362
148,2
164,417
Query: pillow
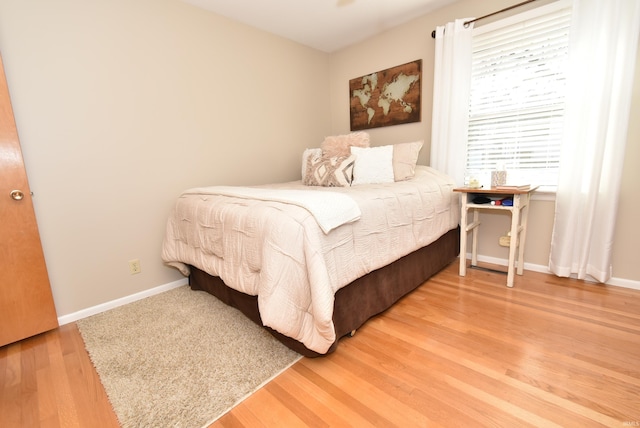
405,157
309,154
336,171
338,145
374,165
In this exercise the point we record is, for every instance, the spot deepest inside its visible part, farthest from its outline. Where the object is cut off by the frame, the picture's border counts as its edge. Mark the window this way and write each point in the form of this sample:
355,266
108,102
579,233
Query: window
516,109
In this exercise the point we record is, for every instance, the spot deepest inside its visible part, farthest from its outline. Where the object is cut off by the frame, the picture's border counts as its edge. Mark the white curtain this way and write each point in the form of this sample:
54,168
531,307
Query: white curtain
451,84
602,53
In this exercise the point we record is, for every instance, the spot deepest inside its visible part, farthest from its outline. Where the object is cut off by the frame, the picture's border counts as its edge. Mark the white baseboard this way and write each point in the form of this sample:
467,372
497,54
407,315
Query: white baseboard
626,283
66,319
618,282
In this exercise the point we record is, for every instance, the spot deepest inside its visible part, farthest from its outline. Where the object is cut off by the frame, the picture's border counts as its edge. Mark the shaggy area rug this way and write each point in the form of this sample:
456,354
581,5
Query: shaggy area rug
180,358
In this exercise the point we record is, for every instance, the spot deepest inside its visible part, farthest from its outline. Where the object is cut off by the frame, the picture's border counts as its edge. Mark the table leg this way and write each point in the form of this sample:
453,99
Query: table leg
463,237
513,241
523,234
474,238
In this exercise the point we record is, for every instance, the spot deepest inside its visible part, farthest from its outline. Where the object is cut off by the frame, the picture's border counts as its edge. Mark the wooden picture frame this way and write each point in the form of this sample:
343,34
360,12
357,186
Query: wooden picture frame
388,97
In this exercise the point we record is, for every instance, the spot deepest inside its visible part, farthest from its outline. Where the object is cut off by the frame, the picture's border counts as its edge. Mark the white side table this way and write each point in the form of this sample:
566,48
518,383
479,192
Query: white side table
519,212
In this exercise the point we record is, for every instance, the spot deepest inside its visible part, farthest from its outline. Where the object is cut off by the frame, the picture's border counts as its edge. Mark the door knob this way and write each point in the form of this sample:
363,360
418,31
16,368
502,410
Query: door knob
17,195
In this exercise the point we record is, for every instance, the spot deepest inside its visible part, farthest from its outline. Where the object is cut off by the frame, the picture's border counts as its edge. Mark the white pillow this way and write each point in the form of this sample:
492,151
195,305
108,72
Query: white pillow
310,156
374,165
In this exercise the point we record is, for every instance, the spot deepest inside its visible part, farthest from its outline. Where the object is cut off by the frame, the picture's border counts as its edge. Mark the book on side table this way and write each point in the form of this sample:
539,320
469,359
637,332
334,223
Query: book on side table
513,187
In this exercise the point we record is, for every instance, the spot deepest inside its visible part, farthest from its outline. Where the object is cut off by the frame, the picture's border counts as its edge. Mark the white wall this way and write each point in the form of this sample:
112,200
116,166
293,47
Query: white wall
121,104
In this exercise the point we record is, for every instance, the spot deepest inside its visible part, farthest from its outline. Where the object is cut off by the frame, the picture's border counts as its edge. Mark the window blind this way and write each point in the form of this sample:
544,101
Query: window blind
517,94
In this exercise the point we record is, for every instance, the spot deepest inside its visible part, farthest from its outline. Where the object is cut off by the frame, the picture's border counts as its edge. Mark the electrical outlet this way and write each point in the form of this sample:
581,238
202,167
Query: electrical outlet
134,266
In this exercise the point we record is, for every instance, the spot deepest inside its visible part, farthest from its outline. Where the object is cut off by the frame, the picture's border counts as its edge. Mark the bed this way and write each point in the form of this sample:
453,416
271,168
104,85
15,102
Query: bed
312,277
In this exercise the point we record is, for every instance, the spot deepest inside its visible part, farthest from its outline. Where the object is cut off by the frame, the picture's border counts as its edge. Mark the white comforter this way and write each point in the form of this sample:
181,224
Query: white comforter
277,251
330,209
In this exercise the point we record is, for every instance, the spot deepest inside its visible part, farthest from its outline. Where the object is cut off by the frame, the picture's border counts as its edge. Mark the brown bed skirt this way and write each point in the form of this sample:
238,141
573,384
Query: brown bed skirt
356,302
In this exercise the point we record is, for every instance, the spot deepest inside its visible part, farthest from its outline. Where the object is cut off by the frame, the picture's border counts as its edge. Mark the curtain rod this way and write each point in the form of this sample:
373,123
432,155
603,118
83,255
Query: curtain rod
433,33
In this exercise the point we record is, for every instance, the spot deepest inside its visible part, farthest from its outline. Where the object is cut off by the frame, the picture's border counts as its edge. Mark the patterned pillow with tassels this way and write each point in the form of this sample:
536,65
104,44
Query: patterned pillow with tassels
334,171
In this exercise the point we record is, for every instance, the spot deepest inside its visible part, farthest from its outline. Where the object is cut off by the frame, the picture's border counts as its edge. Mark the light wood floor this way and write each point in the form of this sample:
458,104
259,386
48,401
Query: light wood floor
456,352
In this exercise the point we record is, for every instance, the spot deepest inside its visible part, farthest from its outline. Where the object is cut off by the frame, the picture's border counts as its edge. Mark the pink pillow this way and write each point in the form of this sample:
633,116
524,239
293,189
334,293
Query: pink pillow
340,145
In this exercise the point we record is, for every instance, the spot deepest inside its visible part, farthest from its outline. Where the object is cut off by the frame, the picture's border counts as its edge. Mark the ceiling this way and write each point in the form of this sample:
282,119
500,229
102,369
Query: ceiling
326,25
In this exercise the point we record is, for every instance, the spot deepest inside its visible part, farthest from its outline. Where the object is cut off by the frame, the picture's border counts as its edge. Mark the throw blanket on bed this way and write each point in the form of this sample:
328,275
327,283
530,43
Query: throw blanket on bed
329,209
278,252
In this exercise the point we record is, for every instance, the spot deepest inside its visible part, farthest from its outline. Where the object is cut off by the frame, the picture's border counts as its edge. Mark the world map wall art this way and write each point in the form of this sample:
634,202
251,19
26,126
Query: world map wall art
387,97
